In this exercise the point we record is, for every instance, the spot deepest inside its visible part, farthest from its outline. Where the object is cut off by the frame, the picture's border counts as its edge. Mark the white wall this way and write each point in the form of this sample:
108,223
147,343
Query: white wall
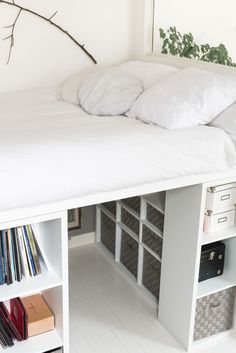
111,29
212,21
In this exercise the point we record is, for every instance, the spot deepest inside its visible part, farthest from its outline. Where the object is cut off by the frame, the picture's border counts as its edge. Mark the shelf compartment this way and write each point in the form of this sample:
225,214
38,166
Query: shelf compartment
227,233
37,344
213,285
28,286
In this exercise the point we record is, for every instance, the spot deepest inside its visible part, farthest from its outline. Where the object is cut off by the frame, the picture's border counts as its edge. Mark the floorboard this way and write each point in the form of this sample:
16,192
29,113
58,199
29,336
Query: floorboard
109,315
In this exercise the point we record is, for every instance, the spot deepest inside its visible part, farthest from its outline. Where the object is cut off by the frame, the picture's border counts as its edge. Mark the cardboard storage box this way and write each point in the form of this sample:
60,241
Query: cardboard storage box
40,317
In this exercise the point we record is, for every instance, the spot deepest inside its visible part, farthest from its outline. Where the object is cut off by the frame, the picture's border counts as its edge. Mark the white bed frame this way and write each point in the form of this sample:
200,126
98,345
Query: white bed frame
50,222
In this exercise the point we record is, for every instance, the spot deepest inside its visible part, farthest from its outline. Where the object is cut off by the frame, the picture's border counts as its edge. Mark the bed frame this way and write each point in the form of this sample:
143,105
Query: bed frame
177,303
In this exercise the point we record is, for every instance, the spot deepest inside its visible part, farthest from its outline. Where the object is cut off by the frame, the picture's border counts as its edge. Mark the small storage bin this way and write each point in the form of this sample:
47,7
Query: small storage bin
134,203
212,261
214,314
130,221
214,221
152,240
151,273
155,217
129,253
111,207
108,233
221,196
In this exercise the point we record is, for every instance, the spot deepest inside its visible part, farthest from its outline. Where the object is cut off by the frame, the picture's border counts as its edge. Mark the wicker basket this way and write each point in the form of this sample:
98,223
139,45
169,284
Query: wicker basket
155,217
134,203
111,207
108,233
130,221
152,240
214,314
129,253
151,273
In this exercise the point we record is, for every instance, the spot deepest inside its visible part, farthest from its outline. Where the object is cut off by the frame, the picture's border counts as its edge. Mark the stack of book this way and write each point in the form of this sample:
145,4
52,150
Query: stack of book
19,255
25,318
13,323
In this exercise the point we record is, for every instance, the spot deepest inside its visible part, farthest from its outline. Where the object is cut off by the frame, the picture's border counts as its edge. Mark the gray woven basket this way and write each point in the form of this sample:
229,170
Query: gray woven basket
152,240
130,221
155,217
108,232
134,203
111,207
214,314
151,273
129,253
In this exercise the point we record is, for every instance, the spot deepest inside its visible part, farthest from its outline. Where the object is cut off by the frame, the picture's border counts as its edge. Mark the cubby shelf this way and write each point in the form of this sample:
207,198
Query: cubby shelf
37,344
213,285
208,238
45,280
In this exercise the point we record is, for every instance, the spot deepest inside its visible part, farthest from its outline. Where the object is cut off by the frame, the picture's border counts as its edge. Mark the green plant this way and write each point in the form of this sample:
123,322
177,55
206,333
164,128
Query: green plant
184,45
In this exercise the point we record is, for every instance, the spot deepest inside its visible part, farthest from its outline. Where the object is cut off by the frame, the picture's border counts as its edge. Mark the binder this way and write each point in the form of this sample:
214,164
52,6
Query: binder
19,317
9,325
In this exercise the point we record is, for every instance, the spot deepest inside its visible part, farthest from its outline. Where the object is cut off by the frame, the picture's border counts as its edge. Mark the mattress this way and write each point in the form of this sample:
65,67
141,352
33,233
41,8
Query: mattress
52,151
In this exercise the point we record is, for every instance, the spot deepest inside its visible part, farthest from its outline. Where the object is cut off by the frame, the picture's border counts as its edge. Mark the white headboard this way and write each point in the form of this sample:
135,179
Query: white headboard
183,62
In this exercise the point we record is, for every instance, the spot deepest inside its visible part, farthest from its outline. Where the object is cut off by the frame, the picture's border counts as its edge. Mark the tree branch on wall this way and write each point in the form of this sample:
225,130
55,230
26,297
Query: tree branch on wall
49,20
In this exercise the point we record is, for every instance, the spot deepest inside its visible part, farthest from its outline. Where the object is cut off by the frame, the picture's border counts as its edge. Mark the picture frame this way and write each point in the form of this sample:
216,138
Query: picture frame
74,219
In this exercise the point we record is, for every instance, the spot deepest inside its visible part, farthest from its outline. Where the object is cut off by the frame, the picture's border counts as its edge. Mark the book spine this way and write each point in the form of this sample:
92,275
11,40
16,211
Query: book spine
2,271
29,252
24,261
31,237
17,263
11,256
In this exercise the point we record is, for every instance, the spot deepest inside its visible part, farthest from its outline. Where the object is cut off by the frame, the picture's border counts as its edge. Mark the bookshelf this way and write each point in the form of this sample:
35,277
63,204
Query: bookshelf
51,234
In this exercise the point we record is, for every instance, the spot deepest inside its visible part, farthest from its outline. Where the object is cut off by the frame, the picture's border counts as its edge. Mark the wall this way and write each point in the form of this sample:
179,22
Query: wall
212,21
88,222
42,56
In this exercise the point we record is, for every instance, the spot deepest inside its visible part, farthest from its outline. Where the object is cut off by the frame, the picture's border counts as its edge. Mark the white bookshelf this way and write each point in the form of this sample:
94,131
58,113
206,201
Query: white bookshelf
51,234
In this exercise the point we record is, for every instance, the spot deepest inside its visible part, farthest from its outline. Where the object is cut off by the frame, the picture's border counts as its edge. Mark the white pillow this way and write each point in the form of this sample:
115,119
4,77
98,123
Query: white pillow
68,91
227,121
188,98
109,92
149,73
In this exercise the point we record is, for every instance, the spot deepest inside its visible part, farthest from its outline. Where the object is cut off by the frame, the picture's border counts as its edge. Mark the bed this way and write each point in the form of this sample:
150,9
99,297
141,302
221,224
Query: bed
52,152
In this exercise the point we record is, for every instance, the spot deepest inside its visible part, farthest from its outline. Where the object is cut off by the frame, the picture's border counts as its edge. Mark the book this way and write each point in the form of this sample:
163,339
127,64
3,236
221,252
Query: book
11,255
2,272
17,259
19,317
35,254
24,261
8,323
5,338
29,252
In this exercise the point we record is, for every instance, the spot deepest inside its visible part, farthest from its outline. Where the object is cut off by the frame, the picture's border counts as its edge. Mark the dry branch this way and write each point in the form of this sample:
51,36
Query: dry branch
45,19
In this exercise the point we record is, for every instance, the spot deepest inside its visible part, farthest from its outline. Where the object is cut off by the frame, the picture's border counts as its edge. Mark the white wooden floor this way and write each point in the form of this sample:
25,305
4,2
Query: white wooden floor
109,315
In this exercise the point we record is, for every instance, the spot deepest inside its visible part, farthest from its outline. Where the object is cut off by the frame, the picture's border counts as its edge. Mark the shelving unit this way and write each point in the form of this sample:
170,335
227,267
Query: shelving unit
51,234
129,217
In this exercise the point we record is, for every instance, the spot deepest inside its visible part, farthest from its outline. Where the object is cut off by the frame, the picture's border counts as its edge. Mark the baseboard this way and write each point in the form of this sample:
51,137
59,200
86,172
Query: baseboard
83,239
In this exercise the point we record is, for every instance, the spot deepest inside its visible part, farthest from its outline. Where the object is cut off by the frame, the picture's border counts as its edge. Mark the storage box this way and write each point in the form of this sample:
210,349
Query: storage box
129,253
214,221
134,203
108,233
151,273
155,217
152,240
221,196
130,221
214,314
40,317
111,207
212,261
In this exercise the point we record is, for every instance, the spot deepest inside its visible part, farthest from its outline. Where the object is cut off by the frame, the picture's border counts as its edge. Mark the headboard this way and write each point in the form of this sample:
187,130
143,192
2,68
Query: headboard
183,62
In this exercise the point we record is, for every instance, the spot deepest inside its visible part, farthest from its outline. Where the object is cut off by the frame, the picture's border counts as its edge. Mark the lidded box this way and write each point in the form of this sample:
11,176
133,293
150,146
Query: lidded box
219,219
221,196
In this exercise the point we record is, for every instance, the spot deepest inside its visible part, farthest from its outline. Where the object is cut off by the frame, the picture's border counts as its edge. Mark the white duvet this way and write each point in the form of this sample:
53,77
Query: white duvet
51,151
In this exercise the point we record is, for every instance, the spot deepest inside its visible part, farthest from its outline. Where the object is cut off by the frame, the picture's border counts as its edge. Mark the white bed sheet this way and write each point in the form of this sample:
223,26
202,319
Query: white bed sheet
52,151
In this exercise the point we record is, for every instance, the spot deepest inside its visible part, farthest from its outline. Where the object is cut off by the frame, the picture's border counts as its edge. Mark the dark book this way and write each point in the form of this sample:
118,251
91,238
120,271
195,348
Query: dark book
5,337
9,260
17,259
9,325
2,271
